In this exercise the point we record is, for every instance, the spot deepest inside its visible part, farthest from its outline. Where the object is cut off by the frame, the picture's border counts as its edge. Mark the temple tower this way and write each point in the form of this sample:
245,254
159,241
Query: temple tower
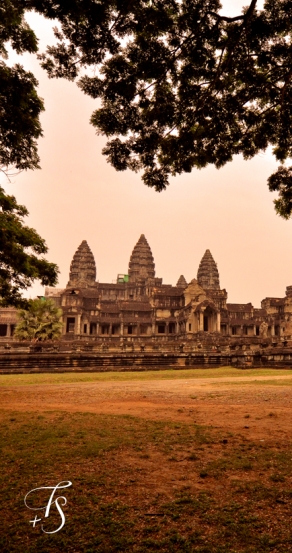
141,265
208,275
181,283
82,268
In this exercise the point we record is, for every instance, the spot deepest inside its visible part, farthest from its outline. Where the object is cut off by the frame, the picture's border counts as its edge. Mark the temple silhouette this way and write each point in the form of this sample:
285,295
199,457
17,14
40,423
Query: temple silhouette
139,305
138,323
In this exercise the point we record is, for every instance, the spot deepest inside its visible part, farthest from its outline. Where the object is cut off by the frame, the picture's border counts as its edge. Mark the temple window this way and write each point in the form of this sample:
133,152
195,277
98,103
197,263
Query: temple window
3,330
92,328
161,329
171,328
85,329
70,329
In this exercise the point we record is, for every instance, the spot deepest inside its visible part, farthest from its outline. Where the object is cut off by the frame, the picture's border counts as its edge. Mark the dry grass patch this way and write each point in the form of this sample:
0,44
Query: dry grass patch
144,486
125,376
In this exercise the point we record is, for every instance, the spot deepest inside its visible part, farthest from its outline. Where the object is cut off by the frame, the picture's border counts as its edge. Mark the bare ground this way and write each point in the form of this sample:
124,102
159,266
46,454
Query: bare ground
222,403
249,418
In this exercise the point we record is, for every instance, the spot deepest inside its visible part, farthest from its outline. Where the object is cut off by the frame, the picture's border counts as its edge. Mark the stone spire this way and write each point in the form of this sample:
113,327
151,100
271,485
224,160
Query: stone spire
181,283
208,276
82,268
141,263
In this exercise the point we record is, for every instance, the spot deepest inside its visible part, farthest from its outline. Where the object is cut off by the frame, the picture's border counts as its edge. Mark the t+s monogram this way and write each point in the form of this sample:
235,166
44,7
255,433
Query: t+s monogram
52,501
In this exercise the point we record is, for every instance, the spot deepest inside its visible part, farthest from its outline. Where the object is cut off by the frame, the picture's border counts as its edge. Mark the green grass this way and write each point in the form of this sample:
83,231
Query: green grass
185,374
143,486
266,382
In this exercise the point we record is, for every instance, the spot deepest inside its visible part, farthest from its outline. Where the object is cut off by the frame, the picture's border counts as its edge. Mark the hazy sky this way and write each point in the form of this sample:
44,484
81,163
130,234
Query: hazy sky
77,195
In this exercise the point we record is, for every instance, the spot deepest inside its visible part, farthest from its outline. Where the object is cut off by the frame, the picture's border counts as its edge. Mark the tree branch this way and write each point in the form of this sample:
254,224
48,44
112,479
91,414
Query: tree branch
115,21
289,77
246,17
8,174
225,18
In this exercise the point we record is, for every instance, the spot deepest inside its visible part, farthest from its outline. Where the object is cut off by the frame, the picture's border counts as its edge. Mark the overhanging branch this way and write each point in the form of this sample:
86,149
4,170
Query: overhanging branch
246,17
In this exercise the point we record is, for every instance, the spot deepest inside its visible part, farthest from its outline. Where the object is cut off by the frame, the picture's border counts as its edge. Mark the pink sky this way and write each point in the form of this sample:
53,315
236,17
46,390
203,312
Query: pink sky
77,195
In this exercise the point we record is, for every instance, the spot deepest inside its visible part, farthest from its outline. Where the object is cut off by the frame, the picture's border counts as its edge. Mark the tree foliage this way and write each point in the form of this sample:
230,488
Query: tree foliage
20,105
180,85
21,248
41,321
21,254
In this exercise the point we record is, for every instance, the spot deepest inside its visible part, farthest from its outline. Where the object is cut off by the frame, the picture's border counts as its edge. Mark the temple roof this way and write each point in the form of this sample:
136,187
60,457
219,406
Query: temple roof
82,268
173,291
106,307
237,307
275,302
208,275
135,306
81,291
258,312
141,263
182,283
110,306
206,303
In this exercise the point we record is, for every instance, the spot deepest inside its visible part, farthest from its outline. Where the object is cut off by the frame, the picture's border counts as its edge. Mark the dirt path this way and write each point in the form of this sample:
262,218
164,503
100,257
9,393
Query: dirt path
238,404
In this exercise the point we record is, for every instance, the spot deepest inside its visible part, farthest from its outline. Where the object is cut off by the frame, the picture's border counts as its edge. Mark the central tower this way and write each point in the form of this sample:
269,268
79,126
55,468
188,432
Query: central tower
141,264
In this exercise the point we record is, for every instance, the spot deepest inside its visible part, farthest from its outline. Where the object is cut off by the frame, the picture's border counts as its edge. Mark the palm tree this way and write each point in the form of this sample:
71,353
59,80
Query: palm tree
41,321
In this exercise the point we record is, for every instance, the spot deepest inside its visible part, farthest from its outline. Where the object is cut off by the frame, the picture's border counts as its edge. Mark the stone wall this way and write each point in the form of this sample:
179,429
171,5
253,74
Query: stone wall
71,357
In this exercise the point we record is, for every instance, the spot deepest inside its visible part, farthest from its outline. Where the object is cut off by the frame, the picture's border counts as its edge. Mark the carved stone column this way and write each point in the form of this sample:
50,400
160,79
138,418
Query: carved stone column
218,322
201,324
78,324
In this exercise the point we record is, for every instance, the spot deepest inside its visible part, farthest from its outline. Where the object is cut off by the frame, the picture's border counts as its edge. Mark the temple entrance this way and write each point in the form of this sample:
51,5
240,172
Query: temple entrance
70,327
210,320
206,327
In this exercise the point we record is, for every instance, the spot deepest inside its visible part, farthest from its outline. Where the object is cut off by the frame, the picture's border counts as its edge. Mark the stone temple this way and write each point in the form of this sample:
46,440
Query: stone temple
138,307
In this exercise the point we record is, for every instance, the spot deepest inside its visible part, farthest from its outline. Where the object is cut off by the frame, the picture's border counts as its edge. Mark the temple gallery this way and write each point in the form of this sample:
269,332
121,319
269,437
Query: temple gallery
138,306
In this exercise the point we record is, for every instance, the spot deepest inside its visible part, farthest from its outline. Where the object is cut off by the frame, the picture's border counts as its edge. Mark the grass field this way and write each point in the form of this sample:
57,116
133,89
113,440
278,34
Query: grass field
67,378
143,485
